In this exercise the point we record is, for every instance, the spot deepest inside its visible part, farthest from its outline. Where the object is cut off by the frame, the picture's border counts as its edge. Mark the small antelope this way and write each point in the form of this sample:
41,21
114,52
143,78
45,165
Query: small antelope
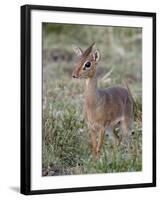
104,109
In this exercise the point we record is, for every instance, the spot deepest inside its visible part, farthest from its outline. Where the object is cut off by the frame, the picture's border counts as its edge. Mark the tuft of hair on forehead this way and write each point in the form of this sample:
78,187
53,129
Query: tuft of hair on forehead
88,50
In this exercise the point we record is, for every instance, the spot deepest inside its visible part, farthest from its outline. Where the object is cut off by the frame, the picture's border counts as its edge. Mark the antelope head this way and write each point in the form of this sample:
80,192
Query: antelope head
85,66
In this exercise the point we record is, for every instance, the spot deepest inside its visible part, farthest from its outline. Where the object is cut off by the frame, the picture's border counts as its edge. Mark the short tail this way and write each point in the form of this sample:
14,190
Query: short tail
130,94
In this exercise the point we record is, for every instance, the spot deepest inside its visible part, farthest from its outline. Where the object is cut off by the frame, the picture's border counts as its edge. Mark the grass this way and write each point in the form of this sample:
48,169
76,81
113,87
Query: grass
65,148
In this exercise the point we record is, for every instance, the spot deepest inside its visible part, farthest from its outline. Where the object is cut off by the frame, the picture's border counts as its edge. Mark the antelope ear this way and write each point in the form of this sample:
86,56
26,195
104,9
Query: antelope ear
77,50
96,55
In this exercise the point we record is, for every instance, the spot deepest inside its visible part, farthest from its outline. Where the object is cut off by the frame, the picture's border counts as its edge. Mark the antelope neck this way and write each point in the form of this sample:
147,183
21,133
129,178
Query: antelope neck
91,90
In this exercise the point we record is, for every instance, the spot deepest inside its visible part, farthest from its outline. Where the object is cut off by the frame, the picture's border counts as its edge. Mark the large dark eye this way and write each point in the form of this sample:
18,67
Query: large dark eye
87,65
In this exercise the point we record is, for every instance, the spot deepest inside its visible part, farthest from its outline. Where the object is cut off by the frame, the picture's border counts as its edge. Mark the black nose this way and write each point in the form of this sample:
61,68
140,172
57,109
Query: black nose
74,76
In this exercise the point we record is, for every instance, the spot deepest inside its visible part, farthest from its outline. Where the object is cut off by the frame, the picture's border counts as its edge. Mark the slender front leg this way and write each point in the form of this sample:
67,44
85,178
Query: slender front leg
100,140
93,143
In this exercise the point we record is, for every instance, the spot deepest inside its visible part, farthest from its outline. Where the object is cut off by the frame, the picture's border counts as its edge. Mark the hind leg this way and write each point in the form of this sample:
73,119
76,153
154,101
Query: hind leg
126,131
117,133
128,117
113,136
127,123
126,127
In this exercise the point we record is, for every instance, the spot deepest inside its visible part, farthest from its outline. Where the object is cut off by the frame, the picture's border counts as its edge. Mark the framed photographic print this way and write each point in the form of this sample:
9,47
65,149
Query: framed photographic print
88,99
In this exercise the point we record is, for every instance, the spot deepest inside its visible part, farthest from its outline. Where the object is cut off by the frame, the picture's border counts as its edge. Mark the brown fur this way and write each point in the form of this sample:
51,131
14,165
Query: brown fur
103,108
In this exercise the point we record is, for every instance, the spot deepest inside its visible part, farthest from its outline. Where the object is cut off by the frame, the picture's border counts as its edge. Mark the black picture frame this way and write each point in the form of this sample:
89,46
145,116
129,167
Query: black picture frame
26,98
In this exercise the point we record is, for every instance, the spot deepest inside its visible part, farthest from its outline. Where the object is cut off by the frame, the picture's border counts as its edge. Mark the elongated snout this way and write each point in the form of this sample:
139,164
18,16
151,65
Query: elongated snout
74,75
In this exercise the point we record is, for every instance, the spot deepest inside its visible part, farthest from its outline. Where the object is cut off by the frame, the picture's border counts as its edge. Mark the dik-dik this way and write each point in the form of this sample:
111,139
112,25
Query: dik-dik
104,109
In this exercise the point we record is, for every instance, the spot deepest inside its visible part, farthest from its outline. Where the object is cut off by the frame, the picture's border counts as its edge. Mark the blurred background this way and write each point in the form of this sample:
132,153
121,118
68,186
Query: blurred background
65,148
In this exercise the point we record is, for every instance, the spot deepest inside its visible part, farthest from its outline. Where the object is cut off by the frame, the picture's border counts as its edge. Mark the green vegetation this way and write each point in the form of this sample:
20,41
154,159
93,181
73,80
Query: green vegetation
65,148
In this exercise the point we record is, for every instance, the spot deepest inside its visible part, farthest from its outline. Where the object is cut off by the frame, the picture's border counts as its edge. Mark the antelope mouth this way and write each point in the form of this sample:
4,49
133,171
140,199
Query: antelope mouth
75,77
79,77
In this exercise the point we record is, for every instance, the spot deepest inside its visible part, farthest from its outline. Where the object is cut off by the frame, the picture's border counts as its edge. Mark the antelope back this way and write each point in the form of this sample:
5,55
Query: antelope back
85,66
